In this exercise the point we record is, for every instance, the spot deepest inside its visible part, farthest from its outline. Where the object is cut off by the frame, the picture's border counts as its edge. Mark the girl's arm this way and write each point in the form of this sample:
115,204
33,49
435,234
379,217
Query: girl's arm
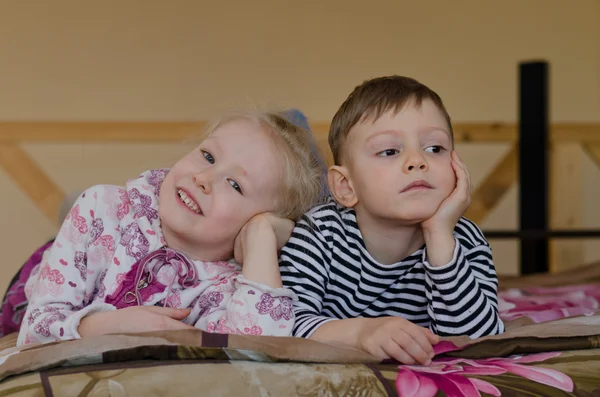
60,293
259,305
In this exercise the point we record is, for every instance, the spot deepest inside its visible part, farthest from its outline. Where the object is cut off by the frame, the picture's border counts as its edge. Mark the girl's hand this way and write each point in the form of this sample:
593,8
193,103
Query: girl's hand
260,228
134,319
257,245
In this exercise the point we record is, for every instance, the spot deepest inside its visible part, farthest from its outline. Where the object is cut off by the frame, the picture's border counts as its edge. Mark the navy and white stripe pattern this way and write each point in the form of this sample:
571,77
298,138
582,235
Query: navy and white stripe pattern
328,266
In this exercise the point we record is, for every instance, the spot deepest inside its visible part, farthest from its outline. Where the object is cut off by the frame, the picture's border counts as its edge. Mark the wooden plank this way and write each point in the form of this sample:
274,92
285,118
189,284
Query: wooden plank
489,193
565,204
593,150
98,131
167,131
15,131
27,174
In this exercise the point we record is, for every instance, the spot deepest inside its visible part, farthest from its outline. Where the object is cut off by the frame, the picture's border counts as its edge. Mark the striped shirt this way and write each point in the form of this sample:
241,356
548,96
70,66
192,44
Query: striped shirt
326,263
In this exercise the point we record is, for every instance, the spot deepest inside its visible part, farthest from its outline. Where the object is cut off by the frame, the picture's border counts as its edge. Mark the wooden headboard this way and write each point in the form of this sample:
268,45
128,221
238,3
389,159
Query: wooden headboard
34,182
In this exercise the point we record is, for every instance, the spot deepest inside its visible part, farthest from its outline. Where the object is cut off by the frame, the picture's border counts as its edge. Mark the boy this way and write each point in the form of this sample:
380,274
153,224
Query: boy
392,254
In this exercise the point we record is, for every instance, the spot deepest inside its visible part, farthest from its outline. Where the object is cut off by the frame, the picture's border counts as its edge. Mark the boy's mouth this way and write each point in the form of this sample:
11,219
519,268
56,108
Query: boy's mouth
189,201
417,185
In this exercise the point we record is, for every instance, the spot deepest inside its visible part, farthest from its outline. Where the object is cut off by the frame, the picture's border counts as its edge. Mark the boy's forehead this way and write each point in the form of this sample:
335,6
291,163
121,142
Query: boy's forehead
411,118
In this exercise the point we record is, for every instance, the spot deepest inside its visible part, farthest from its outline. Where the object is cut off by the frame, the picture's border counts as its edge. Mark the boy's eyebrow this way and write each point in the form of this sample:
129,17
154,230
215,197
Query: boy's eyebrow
384,132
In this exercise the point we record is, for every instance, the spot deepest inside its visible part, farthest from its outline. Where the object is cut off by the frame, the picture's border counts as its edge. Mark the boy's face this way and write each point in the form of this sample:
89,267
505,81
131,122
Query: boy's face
400,165
208,195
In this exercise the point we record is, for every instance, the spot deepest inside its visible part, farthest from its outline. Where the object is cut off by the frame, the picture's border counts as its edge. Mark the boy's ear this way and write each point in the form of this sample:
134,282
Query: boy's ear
341,186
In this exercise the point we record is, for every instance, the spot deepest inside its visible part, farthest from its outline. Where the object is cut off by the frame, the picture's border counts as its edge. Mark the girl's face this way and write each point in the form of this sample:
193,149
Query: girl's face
210,193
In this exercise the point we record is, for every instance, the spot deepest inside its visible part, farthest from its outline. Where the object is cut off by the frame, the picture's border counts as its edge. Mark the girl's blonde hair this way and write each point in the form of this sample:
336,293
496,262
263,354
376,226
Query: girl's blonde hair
302,176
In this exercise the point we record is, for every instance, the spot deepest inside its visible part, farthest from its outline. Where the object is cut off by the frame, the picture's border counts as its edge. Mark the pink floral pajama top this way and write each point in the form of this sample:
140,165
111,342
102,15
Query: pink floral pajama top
110,254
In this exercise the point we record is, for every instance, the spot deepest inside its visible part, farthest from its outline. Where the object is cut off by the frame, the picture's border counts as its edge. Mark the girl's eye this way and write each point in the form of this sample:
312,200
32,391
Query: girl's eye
388,152
235,185
208,157
434,149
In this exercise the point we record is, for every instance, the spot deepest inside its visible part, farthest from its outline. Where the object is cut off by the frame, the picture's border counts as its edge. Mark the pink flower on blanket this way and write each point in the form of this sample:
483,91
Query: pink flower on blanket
548,304
451,375
277,307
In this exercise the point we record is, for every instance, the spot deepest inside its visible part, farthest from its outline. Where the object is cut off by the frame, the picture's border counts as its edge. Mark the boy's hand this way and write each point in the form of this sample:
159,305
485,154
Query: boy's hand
397,338
134,319
438,229
262,228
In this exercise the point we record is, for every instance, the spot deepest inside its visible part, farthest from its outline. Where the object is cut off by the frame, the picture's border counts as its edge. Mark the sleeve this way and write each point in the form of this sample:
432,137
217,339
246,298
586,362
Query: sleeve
59,293
304,270
463,294
252,309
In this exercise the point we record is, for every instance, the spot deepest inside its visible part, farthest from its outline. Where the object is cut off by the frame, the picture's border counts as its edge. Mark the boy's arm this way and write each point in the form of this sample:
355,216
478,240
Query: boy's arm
463,293
304,269
65,277
303,266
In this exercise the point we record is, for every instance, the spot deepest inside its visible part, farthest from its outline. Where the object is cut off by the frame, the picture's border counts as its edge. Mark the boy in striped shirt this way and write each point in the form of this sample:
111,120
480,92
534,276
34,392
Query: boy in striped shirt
389,264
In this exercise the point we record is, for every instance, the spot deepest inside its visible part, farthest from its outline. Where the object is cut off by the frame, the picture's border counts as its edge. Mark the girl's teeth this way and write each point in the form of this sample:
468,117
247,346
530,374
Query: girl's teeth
188,201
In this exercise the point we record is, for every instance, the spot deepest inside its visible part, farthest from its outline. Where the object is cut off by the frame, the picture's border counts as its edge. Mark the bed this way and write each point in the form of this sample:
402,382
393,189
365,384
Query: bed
551,348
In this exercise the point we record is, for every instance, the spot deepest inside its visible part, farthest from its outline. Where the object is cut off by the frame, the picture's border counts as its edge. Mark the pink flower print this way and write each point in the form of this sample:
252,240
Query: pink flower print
103,249
211,327
156,179
174,300
43,327
254,330
278,308
450,375
81,264
50,282
166,275
123,207
96,230
208,301
77,220
134,241
100,290
75,226
142,205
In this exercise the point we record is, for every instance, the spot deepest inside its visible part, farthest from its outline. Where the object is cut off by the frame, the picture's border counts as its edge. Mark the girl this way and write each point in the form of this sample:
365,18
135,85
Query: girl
157,254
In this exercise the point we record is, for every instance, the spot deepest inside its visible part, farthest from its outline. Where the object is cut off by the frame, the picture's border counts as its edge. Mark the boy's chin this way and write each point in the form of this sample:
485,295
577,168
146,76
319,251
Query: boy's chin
415,218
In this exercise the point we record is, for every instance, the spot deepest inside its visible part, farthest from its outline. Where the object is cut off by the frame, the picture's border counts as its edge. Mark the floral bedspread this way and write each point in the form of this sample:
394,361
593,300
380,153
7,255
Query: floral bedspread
551,348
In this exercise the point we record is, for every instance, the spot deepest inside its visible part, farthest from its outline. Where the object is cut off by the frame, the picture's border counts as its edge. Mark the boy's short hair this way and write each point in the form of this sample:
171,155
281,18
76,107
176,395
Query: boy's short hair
371,100
302,170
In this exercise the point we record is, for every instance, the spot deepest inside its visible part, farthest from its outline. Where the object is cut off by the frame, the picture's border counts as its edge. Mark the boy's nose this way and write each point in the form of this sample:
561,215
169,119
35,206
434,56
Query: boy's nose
414,162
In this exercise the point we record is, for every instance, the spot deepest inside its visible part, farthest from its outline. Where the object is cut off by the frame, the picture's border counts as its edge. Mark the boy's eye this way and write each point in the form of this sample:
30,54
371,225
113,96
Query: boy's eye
388,152
208,157
434,149
235,185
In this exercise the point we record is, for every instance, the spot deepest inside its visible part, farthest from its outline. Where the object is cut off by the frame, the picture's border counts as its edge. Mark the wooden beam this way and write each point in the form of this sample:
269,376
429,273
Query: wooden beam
565,204
167,131
489,193
98,131
28,175
593,150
